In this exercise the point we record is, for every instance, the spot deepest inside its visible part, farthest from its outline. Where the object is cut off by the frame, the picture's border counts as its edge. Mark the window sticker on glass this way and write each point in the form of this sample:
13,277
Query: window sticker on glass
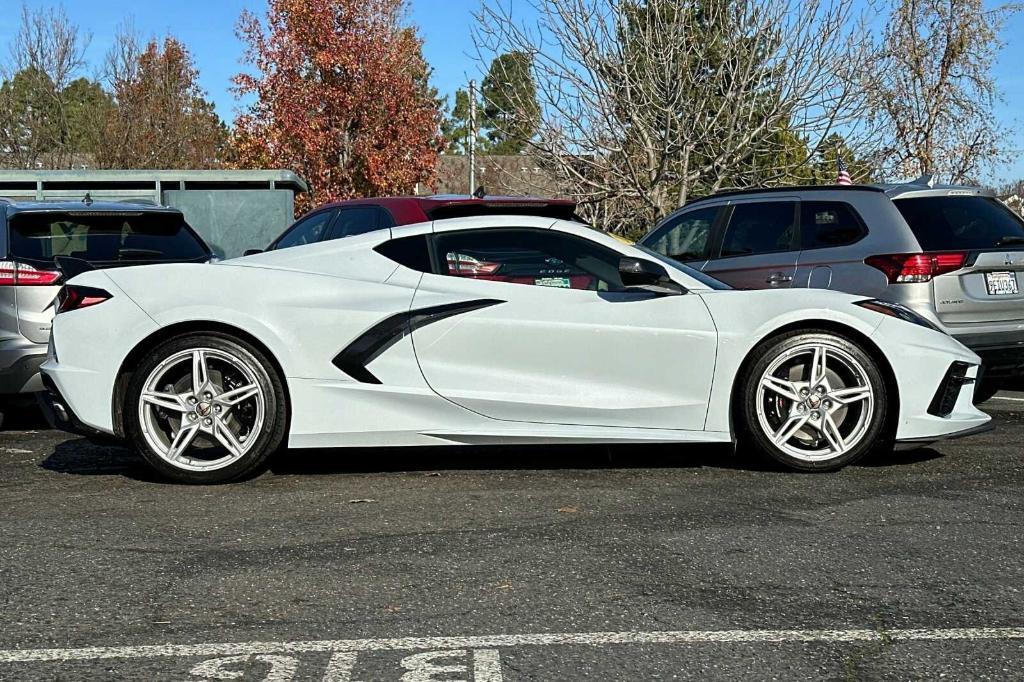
826,218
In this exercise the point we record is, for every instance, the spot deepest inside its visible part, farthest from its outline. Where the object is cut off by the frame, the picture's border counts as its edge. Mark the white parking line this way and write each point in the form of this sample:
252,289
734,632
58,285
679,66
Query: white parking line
499,641
1016,400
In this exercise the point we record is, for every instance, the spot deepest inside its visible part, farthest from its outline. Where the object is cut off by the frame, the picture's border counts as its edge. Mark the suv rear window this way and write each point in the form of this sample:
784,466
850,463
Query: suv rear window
945,223
105,237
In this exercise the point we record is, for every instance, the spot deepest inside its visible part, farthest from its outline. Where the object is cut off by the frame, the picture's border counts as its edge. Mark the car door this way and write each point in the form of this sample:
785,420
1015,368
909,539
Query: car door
686,237
758,249
533,325
828,259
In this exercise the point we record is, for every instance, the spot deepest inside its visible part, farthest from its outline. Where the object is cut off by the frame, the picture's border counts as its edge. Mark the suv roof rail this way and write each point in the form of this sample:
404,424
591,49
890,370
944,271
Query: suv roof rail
787,189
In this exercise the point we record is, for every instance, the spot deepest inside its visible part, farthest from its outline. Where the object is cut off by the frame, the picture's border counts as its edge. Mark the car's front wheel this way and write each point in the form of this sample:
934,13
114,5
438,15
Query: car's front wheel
205,408
812,401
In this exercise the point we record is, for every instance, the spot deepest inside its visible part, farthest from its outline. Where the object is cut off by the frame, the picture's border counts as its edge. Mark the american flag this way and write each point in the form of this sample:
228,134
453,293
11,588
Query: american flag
843,177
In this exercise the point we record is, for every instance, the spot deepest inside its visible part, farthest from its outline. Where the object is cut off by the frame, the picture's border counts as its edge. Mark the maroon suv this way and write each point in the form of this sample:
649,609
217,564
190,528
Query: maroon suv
356,216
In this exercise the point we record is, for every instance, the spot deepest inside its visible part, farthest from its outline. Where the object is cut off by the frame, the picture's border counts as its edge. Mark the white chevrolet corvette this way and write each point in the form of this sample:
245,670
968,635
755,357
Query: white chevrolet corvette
488,330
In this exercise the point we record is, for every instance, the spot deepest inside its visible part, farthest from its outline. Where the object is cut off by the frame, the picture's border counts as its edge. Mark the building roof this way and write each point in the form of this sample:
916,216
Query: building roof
282,179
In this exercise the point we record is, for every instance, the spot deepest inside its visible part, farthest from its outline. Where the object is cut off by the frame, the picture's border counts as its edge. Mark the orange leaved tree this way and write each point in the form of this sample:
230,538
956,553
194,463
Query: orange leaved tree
162,118
339,95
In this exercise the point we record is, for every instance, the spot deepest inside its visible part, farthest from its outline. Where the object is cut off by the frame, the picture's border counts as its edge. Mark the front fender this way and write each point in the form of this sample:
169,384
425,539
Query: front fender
746,318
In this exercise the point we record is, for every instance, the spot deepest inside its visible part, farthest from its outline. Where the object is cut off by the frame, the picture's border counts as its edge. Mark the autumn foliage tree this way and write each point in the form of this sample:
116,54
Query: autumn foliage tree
162,118
340,96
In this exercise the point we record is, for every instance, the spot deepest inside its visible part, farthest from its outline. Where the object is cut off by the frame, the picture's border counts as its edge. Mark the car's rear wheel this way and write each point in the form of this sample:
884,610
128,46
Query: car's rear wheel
813,401
205,408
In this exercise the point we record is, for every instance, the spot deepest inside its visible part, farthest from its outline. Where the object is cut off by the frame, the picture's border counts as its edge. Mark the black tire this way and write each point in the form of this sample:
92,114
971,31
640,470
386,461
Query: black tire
269,438
985,391
873,433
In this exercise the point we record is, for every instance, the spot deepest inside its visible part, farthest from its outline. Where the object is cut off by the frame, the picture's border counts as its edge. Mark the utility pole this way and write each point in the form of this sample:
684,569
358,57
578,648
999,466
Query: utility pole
472,136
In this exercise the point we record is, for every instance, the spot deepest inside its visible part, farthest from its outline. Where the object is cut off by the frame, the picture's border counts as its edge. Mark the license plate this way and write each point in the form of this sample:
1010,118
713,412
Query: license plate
1001,283
560,282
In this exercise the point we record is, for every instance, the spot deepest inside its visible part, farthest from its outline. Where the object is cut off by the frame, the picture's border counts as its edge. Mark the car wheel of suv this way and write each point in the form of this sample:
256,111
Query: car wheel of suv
205,408
812,401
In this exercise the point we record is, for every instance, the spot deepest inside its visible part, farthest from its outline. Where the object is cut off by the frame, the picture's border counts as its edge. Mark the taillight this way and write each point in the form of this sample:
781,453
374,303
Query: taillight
24,275
74,297
902,268
468,266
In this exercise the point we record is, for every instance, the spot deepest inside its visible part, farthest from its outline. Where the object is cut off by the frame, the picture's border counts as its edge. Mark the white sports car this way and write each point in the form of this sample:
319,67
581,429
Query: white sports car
488,330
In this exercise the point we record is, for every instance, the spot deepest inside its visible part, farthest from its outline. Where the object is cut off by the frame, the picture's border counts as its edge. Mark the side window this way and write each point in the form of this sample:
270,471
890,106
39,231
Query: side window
412,252
524,256
760,227
309,230
384,218
829,223
685,237
355,220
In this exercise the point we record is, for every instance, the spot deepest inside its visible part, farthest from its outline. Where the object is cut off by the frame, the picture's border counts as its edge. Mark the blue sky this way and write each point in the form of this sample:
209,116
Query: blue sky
207,27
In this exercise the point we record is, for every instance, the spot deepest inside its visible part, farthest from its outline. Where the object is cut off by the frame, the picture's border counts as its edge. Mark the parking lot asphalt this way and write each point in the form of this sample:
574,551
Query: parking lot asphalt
488,564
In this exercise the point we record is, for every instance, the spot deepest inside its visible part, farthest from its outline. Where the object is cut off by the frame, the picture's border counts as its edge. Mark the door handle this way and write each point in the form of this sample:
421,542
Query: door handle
779,278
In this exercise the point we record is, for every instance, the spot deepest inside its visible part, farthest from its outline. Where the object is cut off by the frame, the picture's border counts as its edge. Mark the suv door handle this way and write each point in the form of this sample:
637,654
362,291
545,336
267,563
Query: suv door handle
778,278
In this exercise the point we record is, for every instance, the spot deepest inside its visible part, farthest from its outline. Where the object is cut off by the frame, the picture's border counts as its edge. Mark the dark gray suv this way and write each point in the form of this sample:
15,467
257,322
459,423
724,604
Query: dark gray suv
953,254
103,234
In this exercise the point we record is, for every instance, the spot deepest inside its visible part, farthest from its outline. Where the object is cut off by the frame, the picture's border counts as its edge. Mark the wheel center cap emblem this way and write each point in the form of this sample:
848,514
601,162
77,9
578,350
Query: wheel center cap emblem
203,409
814,401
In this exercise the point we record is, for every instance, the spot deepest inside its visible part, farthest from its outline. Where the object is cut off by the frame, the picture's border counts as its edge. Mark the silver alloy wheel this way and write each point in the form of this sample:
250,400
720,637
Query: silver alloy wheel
815,401
201,409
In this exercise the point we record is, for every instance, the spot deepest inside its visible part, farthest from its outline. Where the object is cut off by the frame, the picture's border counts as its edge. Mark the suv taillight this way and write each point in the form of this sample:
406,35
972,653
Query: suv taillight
22,275
902,268
74,297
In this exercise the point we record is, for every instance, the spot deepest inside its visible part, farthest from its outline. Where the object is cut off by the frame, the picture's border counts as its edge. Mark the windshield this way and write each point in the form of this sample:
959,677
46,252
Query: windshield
957,222
105,237
707,280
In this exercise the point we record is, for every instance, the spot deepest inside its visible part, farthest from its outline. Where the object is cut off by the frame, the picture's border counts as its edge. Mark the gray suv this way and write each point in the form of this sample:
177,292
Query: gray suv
32,234
953,254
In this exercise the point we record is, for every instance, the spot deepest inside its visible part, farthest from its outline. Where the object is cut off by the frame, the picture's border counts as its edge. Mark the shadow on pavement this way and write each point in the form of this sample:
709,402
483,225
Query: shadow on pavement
509,457
900,458
26,417
84,458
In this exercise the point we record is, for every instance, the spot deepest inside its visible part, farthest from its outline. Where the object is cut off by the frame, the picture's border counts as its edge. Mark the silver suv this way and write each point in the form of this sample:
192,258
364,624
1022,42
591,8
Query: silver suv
103,234
953,254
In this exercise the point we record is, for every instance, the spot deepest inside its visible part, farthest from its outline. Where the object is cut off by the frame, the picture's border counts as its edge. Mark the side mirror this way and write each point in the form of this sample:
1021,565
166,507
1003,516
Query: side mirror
645,275
252,252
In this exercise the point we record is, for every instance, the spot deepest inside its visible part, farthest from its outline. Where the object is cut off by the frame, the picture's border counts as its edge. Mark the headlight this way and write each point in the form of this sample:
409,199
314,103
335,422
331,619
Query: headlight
898,311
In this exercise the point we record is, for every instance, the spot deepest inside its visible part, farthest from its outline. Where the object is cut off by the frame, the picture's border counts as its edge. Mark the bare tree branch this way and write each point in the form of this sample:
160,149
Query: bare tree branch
645,103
